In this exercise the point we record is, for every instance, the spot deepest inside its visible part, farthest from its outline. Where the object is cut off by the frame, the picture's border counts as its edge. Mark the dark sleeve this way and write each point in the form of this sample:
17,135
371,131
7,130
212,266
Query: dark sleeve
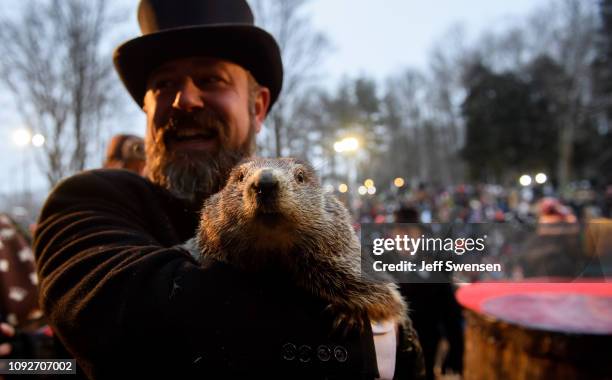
117,294
409,359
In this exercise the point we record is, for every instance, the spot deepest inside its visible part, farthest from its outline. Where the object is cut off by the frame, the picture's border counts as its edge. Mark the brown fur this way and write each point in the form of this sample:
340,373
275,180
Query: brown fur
304,231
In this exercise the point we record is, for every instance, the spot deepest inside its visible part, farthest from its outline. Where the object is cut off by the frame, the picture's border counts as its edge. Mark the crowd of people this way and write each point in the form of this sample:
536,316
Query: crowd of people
488,203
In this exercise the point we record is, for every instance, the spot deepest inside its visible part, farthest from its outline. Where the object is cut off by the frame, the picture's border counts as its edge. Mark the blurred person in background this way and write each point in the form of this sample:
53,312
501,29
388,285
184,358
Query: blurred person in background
552,211
435,313
125,152
23,331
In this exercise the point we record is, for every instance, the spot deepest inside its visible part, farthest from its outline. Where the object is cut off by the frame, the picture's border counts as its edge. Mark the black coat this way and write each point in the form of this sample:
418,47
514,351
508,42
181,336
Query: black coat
125,299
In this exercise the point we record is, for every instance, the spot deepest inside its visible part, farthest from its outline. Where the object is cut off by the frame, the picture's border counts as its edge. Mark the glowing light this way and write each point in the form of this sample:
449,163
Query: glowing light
368,183
541,178
343,188
525,180
398,182
371,190
349,144
362,190
38,140
22,137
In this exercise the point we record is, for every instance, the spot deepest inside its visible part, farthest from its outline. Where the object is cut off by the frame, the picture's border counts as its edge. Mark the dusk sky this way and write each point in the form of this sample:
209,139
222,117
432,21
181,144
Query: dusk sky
381,38
367,37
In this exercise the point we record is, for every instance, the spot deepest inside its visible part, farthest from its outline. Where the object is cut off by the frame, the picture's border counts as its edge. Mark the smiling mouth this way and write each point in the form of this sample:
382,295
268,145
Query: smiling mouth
188,138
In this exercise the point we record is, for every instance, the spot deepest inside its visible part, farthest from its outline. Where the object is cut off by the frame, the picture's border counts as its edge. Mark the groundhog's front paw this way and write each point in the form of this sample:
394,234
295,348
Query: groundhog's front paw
383,303
393,311
386,304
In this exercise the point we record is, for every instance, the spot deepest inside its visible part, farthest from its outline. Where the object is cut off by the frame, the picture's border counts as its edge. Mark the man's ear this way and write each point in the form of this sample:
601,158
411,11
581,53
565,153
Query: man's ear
146,100
262,103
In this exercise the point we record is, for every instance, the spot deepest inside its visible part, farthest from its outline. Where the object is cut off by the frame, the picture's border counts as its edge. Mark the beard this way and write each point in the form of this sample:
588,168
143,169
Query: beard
194,176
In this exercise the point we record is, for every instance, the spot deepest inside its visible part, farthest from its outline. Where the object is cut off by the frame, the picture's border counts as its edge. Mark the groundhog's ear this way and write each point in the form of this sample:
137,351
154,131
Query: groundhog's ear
262,103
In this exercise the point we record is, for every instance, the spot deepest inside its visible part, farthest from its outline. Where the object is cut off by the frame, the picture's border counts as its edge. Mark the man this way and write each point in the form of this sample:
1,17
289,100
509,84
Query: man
433,321
125,152
117,287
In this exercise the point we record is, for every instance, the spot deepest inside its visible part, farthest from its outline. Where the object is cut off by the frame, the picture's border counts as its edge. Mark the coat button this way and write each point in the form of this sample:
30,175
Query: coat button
305,353
323,353
288,351
340,354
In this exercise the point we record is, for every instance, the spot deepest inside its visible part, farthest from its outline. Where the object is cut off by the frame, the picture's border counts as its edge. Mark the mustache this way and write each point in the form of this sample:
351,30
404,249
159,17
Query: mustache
205,120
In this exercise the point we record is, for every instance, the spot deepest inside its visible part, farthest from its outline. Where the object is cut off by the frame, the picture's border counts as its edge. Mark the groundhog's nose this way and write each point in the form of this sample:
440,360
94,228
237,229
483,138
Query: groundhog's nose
266,184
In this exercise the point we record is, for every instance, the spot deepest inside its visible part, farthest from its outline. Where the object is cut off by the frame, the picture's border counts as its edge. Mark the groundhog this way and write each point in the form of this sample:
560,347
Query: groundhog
273,213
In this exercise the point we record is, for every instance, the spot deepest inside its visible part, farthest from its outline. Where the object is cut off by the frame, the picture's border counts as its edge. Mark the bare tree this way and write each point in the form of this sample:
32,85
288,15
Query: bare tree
302,48
427,107
406,91
575,47
445,96
53,63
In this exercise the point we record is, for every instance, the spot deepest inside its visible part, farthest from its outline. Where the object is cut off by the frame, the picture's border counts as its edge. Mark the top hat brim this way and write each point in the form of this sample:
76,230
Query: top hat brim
248,46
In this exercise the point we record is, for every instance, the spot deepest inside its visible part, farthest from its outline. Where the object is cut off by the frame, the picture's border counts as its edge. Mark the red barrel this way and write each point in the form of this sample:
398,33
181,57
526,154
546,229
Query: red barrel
537,330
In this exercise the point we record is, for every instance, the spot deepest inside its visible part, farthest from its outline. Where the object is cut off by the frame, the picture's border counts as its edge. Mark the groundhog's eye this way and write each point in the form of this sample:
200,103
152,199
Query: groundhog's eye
299,176
240,176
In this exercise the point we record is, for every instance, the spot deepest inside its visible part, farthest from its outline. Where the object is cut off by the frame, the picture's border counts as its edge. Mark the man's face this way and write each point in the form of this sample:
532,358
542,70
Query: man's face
202,117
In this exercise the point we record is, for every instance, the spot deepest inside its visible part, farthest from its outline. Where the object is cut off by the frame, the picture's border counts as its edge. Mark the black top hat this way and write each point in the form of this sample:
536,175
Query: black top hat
187,28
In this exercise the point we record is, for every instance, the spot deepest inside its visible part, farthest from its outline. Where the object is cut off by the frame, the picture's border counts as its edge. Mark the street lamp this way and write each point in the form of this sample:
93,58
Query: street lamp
38,140
22,137
541,178
348,146
398,182
525,180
